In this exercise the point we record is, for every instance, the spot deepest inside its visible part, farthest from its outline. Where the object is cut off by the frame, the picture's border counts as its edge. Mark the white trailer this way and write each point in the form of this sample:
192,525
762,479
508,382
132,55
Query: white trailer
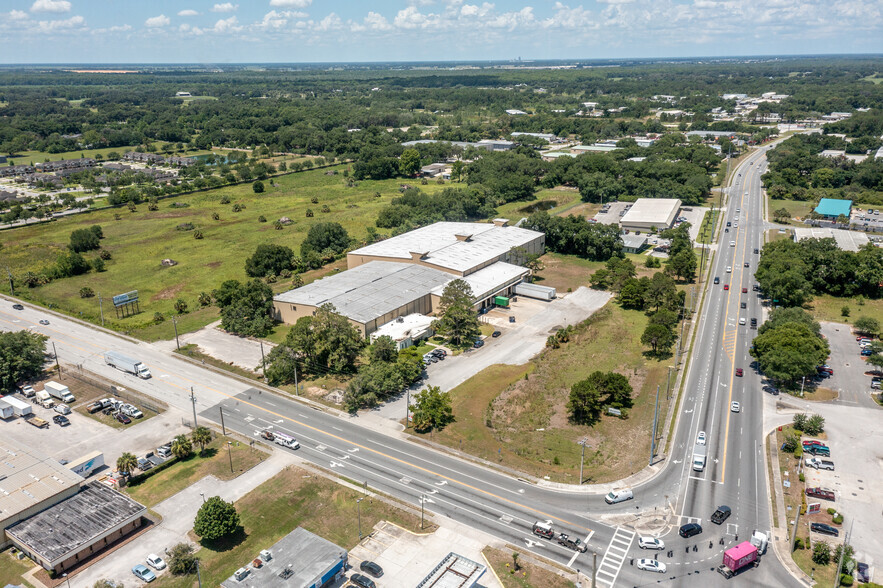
126,364
19,407
535,291
86,465
6,410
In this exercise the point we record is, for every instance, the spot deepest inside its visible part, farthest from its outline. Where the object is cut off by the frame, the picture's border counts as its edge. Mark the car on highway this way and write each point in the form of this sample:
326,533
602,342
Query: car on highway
732,243
60,420
689,530
722,513
735,406
747,264
754,323
717,280
726,286
651,565
142,572
647,542
742,319
372,568
572,542
616,496
44,322
156,562
738,210
825,529
701,438
18,307
739,372
729,269
756,250
744,290
743,305
362,581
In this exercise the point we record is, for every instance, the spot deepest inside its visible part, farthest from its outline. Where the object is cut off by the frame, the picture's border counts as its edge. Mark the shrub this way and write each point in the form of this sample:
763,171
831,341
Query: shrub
821,553
185,227
158,317
197,234
216,519
181,559
216,216
262,219
314,200
225,200
180,306
237,208
258,187
837,519
98,264
84,240
846,580
86,292
104,254
325,208
309,213
204,299
277,225
815,425
798,543
802,477
844,311
832,511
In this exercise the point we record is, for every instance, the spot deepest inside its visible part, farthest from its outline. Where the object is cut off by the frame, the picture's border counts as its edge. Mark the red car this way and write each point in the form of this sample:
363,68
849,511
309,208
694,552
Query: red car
811,442
739,372
726,286
744,290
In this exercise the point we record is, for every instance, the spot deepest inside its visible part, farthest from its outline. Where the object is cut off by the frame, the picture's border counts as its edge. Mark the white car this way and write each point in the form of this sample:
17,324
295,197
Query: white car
701,438
732,243
156,562
729,269
734,406
742,320
651,565
736,225
648,542
738,210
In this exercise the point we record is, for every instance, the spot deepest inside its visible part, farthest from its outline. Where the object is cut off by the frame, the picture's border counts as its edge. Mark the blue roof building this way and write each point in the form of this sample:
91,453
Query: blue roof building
832,208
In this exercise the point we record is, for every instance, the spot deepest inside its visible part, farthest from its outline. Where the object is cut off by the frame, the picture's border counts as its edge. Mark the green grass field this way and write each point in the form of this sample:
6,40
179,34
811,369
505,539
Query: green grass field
796,208
829,308
290,499
141,240
12,569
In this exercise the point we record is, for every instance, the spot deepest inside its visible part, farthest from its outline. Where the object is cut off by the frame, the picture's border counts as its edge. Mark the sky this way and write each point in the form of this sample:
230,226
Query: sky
292,31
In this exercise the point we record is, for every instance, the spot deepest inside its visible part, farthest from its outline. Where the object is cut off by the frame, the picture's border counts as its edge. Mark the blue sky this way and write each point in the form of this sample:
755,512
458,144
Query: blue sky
167,31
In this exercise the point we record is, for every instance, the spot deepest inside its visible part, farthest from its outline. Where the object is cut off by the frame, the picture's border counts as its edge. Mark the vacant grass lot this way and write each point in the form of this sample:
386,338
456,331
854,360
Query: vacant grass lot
12,569
293,498
141,240
214,461
554,201
796,209
568,272
829,308
517,416
528,575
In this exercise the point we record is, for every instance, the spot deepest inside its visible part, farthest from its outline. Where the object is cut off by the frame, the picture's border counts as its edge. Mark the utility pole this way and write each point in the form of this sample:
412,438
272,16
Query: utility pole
193,400
230,455
177,343
802,382
842,552
594,567
668,383
408,407
101,309
263,362
796,516
653,433
198,575
294,362
581,458
55,353
422,502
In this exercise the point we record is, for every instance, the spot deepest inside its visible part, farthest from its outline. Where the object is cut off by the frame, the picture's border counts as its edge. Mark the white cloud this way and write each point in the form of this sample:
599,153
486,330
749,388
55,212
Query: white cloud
46,26
412,18
377,22
329,23
120,28
472,10
226,25
157,21
17,15
51,6
511,20
225,7
291,3
188,12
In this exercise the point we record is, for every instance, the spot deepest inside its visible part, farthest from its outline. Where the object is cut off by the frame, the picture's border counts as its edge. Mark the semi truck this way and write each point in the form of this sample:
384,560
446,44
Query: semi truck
699,455
126,364
738,558
59,391
86,465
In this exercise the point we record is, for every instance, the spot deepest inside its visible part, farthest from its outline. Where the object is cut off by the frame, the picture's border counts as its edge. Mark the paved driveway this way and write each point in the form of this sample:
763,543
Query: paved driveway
519,342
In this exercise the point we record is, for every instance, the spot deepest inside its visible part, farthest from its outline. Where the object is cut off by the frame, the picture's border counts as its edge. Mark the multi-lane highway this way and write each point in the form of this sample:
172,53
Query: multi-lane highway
502,504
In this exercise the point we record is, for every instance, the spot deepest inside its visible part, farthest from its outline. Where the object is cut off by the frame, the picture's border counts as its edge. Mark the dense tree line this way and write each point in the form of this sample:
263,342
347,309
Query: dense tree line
21,358
791,273
575,235
789,345
415,208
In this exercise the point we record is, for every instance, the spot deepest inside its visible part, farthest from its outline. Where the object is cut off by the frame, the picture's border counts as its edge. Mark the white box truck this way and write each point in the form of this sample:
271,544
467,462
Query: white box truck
19,407
126,364
59,391
699,455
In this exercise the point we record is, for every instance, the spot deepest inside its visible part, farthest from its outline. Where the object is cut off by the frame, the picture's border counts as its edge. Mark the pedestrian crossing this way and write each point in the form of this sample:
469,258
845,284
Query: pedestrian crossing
614,557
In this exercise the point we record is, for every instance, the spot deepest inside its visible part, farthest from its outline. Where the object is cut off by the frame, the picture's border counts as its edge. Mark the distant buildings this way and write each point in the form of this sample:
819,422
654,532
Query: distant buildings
515,112
65,164
486,144
153,158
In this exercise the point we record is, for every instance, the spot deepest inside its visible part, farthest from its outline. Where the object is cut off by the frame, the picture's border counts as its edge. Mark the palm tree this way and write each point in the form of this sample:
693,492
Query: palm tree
201,436
181,447
127,462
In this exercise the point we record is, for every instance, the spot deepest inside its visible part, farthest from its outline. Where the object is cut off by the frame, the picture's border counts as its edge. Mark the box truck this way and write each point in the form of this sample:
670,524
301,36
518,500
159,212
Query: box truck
699,455
737,558
126,364
19,407
59,391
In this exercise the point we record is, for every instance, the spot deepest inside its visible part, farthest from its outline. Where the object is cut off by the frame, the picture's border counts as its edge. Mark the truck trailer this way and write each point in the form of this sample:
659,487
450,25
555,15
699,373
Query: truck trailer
6,410
738,558
126,364
19,407
86,465
59,391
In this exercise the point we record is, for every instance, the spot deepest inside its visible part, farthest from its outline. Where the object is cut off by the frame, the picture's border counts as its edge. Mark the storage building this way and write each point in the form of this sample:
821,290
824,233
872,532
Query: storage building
649,213
832,208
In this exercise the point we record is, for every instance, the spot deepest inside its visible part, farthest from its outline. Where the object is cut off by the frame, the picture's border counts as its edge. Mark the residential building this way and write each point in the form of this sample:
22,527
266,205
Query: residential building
16,170
65,164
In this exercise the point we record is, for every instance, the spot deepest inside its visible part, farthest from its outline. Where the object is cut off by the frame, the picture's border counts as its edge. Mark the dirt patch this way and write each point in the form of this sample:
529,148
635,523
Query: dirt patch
178,214
168,293
214,264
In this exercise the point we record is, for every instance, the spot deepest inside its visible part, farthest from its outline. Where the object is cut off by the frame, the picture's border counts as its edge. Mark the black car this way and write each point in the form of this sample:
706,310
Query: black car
363,581
496,334
478,343
372,568
862,572
717,280
756,250
61,420
18,307
689,530
824,529
721,514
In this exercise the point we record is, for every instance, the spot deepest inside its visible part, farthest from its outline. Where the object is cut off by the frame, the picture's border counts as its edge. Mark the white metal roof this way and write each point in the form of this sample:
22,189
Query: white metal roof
652,210
442,247
490,279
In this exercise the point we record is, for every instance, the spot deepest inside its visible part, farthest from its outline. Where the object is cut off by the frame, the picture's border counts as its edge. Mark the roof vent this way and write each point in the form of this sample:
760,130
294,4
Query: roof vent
418,255
501,222
463,236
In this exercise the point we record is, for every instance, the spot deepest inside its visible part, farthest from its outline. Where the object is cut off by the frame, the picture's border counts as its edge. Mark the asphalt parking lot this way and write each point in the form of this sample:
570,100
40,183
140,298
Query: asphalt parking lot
849,379
612,216
694,216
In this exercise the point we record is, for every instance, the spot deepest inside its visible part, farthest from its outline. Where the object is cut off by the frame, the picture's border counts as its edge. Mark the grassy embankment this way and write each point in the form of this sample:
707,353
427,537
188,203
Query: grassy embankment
527,575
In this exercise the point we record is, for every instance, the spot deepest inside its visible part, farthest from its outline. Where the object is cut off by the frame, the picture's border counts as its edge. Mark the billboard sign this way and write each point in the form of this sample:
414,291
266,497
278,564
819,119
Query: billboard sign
126,298
814,507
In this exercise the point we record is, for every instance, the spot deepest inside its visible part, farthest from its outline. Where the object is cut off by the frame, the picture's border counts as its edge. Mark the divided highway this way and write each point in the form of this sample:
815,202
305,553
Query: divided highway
501,504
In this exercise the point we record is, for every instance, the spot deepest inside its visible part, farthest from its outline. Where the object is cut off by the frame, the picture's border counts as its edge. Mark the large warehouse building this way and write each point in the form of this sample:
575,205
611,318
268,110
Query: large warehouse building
651,213
407,274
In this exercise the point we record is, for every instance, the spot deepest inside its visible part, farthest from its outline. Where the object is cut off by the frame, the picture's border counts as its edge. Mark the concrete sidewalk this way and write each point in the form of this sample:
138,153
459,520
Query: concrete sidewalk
178,513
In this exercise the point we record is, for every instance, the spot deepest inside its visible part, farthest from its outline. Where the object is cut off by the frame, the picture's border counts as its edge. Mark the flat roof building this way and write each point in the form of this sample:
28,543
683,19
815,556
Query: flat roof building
406,330
63,535
846,240
649,213
299,560
632,243
833,207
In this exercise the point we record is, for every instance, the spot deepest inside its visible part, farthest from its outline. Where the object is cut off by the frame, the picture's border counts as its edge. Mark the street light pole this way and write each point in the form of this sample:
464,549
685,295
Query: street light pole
422,502
263,362
193,400
101,309
653,433
230,455
582,458
177,343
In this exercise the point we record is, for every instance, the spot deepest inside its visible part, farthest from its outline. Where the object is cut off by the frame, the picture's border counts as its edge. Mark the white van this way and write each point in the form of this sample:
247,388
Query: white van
615,496
285,440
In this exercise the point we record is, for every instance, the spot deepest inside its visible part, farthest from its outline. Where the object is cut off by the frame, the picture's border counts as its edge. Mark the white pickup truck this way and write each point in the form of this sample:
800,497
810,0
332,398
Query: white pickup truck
819,464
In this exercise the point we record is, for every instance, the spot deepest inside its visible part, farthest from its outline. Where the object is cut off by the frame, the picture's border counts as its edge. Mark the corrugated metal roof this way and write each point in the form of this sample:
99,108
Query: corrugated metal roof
652,210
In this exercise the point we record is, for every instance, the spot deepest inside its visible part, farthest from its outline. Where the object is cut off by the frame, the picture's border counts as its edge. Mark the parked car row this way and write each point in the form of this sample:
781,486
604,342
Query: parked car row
434,356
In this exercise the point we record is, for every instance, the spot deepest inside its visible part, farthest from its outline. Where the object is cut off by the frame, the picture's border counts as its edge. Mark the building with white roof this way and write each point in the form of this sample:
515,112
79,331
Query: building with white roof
406,274
651,213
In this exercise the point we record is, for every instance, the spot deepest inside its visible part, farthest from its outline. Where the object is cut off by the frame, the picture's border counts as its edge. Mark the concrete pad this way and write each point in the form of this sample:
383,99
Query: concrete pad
240,351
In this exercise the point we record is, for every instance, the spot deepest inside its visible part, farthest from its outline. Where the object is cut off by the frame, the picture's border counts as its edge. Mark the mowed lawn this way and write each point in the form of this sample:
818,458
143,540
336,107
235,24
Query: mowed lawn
517,416
139,242
292,498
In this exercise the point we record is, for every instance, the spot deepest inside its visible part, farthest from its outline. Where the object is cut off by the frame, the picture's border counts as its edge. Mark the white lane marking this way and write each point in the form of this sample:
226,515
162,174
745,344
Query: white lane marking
614,557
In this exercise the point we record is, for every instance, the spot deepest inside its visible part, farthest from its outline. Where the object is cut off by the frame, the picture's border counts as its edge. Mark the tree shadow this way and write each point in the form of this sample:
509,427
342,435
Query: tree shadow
208,452
226,543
